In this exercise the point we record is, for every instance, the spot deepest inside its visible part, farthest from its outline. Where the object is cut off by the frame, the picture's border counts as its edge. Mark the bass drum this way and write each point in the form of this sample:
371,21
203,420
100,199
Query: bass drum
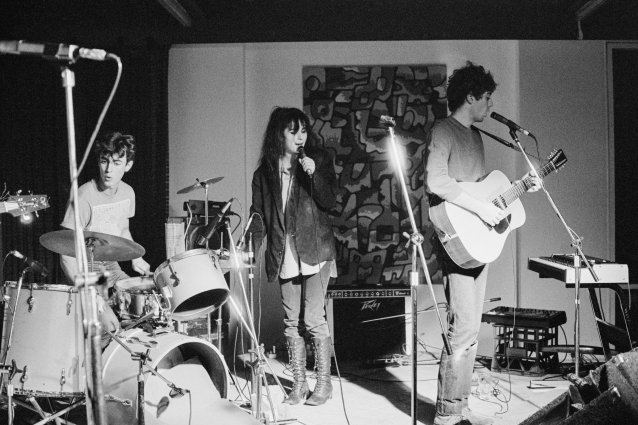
191,364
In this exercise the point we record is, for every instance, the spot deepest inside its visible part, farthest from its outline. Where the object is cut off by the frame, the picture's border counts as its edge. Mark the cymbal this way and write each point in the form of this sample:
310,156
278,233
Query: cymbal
105,247
199,184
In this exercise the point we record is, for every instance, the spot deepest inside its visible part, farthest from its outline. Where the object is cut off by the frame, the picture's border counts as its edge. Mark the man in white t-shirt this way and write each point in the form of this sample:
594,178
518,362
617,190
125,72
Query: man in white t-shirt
106,205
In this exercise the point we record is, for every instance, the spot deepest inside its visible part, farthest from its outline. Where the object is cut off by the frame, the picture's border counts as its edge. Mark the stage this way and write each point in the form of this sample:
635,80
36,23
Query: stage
364,395
374,394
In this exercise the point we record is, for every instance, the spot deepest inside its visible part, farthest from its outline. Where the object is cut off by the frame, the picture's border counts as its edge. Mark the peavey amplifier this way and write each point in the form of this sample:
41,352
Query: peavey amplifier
367,323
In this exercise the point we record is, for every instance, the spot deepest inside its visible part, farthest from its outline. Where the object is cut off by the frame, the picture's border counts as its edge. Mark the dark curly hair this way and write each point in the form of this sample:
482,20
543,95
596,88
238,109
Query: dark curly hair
273,145
470,80
115,143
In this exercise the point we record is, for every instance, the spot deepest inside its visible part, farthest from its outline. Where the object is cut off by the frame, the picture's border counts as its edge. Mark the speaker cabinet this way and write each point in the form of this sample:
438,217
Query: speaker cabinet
368,327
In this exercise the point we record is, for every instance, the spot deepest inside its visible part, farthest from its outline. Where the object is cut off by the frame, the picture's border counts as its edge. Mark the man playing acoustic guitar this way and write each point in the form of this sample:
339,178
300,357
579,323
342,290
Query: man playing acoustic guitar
456,154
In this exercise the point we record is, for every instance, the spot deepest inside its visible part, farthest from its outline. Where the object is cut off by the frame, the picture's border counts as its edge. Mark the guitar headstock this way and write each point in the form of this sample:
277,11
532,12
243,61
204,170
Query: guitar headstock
18,205
556,159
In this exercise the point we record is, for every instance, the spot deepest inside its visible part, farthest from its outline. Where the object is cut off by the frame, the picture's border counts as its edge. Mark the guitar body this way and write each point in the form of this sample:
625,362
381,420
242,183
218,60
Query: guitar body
467,239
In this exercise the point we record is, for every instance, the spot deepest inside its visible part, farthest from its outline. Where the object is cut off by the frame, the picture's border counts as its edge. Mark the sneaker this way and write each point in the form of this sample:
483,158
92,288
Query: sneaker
476,418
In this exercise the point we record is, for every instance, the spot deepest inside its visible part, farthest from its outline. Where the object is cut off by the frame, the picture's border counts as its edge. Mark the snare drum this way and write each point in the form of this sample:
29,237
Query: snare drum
193,282
136,297
189,363
46,341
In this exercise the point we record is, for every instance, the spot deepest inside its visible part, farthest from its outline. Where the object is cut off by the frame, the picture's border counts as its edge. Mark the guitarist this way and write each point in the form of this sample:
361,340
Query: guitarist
456,154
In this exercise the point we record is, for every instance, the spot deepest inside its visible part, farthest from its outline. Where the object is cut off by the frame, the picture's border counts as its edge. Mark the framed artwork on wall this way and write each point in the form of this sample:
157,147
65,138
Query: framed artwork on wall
344,104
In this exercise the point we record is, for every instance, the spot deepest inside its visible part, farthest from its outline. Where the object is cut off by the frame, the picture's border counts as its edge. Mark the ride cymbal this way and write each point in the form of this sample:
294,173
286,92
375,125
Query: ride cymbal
105,247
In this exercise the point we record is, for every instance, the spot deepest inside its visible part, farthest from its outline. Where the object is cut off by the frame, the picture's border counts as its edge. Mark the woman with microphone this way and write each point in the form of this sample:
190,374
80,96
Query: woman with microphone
293,190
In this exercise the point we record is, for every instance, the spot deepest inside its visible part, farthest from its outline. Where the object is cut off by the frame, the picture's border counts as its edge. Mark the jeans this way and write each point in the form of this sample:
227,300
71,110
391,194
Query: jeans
465,293
304,295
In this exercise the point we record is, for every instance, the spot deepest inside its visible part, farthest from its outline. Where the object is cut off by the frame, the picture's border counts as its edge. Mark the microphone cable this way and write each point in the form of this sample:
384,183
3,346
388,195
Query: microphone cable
324,287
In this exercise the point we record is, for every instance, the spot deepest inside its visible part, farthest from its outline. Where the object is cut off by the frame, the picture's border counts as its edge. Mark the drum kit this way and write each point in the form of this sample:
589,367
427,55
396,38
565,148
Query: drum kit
43,349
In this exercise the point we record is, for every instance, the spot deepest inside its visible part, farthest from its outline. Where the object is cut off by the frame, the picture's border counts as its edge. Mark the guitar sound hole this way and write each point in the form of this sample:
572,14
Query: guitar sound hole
503,225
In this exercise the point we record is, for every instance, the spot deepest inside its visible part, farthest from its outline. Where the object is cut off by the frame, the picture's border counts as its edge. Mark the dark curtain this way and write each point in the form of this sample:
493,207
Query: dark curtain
34,149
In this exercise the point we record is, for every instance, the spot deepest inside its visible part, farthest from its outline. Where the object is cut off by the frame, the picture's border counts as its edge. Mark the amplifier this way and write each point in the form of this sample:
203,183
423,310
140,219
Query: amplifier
368,324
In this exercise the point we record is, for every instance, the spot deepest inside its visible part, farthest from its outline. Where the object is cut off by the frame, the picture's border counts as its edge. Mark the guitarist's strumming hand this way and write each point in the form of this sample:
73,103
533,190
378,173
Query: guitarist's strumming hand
490,213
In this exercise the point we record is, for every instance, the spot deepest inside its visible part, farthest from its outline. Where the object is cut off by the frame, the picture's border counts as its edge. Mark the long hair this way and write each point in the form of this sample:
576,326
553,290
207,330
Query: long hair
272,149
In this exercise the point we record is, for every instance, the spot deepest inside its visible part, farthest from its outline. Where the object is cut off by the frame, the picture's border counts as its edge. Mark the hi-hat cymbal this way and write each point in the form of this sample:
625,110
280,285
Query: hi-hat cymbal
105,247
199,185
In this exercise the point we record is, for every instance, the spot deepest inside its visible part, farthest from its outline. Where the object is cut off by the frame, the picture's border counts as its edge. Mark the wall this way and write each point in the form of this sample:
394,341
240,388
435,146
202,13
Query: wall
214,85
564,103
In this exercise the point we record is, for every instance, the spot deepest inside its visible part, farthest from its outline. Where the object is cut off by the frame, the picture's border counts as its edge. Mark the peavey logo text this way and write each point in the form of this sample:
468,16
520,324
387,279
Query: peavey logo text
372,305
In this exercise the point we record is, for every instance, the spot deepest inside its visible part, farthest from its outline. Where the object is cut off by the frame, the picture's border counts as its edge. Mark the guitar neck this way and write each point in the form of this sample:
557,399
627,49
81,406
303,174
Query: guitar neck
520,187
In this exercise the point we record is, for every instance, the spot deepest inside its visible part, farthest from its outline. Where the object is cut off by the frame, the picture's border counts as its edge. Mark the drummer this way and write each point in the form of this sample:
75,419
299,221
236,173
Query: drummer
106,204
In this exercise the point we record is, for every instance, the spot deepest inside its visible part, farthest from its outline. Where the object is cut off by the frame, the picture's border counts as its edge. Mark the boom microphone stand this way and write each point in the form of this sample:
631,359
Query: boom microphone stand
95,405
579,256
416,240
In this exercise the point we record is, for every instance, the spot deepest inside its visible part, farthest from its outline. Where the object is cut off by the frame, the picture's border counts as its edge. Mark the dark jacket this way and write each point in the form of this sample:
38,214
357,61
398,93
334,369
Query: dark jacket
306,219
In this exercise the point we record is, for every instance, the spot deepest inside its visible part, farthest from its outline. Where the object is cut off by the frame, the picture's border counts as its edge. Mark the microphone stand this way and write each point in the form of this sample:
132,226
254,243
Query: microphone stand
576,243
416,240
258,378
95,404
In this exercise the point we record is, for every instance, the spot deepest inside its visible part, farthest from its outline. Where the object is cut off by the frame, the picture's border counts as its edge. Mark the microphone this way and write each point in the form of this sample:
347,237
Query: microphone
302,154
240,244
210,229
387,121
511,124
37,267
52,51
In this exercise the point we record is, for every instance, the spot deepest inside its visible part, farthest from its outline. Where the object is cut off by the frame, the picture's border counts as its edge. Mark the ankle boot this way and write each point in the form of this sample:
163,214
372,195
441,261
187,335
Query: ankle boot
297,358
323,389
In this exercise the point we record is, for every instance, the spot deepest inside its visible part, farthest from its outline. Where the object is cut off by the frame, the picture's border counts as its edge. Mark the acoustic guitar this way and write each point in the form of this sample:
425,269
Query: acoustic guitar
468,240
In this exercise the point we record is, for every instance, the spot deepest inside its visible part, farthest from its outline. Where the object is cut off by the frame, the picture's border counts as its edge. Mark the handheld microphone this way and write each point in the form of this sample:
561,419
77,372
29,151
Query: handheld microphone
387,121
37,267
240,244
52,51
511,124
210,229
302,154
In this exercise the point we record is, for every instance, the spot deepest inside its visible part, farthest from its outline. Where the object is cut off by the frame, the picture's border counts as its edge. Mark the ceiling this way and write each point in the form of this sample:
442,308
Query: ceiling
104,22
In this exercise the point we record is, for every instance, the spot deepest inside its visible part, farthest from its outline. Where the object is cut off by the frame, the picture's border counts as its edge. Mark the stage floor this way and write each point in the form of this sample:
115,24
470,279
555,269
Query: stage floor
362,395
382,395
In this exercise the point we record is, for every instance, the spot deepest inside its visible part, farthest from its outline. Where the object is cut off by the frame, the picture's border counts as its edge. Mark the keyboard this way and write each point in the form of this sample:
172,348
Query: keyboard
524,317
560,266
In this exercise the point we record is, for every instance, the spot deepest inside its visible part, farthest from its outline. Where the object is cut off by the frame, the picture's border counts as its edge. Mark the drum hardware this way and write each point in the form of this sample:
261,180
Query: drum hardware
257,352
143,359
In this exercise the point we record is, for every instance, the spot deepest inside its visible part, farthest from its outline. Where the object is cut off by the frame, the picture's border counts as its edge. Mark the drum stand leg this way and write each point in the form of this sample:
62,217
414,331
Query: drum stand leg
35,407
141,358
56,416
42,413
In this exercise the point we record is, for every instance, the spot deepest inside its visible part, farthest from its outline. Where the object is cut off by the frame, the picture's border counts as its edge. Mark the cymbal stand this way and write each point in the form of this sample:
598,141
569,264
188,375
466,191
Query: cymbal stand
576,243
416,240
258,378
205,185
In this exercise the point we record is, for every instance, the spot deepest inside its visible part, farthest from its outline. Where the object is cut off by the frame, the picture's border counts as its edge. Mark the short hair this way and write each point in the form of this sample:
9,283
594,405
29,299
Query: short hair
471,79
115,143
